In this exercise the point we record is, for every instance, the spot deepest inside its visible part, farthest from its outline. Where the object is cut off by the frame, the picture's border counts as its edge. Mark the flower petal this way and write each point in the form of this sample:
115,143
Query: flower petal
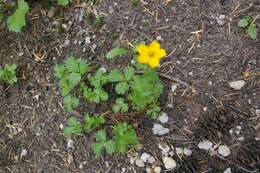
154,62
154,46
160,53
143,58
142,48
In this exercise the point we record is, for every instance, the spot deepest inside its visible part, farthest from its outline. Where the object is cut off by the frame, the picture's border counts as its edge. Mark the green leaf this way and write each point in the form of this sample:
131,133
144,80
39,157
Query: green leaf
252,32
92,122
70,103
243,23
125,136
116,52
98,80
122,87
115,76
129,73
63,2
154,111
59,71
110,147
8,74
73,128
97,148
120,106
76,65
16,21
101,136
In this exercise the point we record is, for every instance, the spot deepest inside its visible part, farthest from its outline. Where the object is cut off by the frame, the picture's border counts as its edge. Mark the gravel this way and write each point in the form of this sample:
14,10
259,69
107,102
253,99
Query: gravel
205,144
237,85
224,150
164,118
158,129
169,163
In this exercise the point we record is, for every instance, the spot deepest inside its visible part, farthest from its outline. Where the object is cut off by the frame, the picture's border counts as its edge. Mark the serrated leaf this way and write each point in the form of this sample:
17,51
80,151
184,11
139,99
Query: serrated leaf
59,71
129,73
243,23
101,136
16,21
92,122
8,73
70,103
116,52
63,2
115,76
120,106
97,148
110,147
252,32
122,87
73,128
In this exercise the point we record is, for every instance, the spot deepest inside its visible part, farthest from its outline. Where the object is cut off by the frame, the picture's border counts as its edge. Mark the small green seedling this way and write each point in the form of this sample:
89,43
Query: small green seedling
92,122
120,106
16,21
74,128
102,143
125,136
63,2
116,52
248,23
8,74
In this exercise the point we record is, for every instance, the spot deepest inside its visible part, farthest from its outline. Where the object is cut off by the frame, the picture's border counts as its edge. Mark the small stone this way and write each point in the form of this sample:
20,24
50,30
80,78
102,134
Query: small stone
187,152
145,157
70,144
123,170
81,166
24,153
174,87
237,85
164,148
205,144
224,150
157,169
61,126
159,38
221,19
139,163
228,170
179,150
87,40
169,163
66,42
149,170
164,118
20,53
158,129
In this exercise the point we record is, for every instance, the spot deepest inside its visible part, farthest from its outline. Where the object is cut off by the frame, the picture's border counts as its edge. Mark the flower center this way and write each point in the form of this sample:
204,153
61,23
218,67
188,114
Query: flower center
151,54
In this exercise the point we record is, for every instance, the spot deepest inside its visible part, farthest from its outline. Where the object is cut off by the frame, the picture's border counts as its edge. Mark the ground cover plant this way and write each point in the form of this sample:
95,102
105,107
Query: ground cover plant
137,87
88,87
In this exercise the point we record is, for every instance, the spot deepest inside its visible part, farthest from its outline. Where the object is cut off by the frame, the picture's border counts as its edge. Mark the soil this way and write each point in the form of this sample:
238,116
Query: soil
204,55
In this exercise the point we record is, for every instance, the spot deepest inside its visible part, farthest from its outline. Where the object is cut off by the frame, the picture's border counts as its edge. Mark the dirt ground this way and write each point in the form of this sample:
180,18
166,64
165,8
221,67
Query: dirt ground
204,55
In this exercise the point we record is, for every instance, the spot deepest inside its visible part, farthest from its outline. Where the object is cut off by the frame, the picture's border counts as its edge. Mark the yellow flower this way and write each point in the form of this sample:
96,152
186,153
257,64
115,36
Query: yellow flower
151,54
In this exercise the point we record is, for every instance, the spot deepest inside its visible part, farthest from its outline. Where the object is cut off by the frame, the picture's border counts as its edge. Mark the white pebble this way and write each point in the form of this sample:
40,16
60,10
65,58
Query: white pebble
164,118
237,85
87,40
224,150
174,87
158,129
179,150
169,163
66,42
149,170
70,144
157,170
164,148
221,19
24,153
139,163
187,152
205,144
228,170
